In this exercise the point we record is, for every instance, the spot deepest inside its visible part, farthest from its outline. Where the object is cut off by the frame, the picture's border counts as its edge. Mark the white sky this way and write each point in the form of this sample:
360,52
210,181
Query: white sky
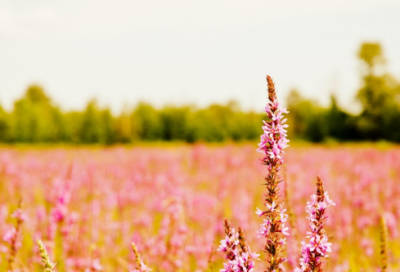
190,51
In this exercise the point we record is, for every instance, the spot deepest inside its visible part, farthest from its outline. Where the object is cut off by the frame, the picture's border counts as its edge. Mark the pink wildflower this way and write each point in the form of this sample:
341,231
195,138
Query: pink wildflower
19,215
95,265
12,235
238,253
272,143
318,245
9,235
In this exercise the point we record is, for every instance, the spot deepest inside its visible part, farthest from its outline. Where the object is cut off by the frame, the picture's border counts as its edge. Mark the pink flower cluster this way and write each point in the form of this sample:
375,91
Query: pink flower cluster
271,212
19,215
238,260
11,234
314,206
95,266
318,245
273,141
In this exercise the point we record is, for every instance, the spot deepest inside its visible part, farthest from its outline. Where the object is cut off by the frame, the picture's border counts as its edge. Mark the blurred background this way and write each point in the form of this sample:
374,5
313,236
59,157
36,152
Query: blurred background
128,71
79,76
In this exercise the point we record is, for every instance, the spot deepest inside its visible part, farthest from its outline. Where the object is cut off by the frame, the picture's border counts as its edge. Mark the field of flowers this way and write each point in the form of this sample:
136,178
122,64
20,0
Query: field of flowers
88,204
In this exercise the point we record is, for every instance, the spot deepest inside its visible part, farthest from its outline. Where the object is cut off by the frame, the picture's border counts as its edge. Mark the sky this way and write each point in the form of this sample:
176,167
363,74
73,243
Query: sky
197,52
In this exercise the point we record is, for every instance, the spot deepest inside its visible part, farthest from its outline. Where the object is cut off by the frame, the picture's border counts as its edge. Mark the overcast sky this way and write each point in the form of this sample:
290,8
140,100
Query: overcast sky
190,51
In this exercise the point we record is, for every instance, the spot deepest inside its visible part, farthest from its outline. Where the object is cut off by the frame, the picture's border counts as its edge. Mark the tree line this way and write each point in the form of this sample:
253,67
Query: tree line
378,96
35,118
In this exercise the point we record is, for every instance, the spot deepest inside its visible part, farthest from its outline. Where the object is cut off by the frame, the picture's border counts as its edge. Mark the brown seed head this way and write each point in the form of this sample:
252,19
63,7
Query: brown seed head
227,228
242,240
320,190
271,89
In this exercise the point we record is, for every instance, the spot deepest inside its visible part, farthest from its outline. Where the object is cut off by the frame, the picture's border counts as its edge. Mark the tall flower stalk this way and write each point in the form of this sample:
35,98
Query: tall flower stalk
140,266
272,144
317,246
210,259
13,234
47,264
384,243
237,252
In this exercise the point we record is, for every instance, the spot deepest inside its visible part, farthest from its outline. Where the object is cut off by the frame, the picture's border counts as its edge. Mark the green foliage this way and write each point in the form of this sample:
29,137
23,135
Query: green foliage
35,119
4,125
378,97
307,119
340,125
97,125
175,122
146,122
371,55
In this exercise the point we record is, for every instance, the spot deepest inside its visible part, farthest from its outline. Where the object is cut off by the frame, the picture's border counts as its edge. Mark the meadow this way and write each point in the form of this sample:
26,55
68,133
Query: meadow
88,204
161,171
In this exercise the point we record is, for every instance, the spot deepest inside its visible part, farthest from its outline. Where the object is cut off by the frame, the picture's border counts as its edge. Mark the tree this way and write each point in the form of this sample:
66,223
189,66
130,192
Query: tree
4,125
340,125
36,94
306,118
33,117
90,128
146,122
377,93
372,57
